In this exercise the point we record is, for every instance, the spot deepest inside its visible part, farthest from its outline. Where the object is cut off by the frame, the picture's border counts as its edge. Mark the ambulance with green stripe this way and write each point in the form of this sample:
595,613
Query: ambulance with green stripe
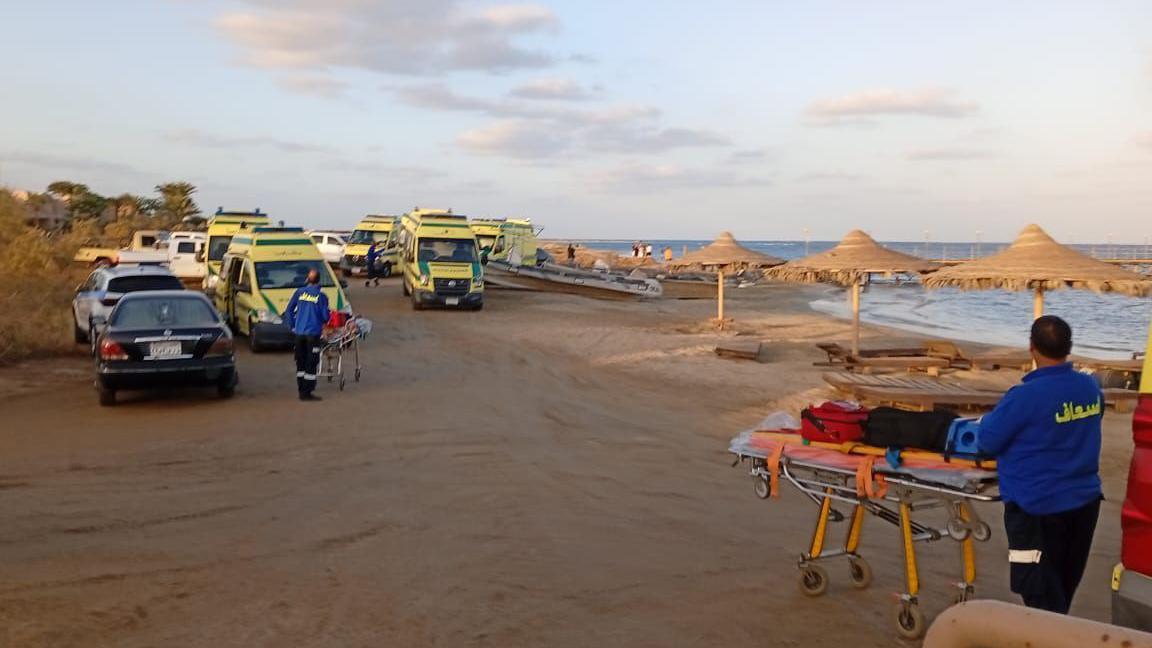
221,228
440,261
374,228
258,275
511,240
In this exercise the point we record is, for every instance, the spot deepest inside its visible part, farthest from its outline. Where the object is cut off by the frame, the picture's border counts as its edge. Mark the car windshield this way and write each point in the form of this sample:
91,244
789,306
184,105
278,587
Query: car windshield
163,312
367,236
217,246
485,241
448,250
271,275
144,282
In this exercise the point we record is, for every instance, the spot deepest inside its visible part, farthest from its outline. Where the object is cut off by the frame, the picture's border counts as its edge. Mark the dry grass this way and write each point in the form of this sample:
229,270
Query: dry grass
38,283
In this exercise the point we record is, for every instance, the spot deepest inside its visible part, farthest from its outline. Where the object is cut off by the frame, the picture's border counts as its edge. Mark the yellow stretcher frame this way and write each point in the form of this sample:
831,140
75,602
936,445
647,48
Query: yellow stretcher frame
826,485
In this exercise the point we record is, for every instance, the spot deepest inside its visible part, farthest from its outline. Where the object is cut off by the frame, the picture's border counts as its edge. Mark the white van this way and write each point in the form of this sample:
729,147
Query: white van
184,252
330,244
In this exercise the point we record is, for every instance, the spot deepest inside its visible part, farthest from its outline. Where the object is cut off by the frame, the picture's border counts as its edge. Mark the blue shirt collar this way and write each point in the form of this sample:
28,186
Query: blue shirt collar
1054,370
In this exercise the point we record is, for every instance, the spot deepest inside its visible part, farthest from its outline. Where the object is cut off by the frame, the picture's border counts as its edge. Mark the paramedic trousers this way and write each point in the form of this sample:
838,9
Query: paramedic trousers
307,362
1047,553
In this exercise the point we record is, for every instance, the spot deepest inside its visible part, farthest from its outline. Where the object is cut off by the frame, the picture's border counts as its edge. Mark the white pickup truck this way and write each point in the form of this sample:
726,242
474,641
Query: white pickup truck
186,256
146,247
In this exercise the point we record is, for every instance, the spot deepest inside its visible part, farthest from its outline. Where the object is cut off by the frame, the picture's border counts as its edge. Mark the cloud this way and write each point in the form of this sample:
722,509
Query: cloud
70,163
202,139
747,156
927,102
551,89
313,85
829,176
515,138
642,178
407,174
950,154
439,97
629,139
407,37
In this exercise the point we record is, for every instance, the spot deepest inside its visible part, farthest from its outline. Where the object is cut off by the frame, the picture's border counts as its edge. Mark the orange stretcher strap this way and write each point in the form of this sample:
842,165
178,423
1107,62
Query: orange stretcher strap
774,471
869,484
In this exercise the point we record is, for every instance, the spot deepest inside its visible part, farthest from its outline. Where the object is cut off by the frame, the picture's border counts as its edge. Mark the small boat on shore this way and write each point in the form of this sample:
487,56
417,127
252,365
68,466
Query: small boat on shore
557,278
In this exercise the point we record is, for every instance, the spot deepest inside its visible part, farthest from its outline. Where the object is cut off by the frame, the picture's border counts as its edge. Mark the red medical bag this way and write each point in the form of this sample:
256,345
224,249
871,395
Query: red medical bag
833,422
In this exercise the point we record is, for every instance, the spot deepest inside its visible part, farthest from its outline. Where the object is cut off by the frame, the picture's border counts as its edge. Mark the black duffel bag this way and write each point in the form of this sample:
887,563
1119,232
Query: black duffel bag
888,427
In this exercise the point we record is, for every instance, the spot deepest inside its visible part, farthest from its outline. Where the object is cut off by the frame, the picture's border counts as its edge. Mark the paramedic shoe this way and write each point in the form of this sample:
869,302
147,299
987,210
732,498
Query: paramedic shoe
310,397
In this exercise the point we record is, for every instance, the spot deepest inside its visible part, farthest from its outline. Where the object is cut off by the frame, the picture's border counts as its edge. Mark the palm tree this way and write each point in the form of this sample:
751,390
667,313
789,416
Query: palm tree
66,190
176,203
126,205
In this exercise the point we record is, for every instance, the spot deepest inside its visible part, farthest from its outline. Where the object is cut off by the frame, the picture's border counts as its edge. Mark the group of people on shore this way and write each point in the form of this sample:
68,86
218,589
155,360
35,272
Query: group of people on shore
641,250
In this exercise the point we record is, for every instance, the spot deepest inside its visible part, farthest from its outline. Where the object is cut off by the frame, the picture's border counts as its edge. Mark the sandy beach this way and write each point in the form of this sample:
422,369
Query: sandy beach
551,471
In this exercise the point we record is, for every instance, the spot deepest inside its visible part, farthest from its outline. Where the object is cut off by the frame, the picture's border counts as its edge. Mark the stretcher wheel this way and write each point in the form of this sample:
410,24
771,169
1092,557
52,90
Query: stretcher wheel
981,532
760,485
958,529
813,580
910,621
860,572
341,382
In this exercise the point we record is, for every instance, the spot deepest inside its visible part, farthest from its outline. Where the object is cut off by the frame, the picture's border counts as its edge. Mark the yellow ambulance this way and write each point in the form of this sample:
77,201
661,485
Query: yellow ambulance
221,228
440,261
259,273
512,240
377,229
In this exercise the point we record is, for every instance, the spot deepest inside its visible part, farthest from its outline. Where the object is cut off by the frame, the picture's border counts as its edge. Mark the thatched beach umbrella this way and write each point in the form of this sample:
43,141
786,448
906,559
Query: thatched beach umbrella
725,253
851,263
1036,262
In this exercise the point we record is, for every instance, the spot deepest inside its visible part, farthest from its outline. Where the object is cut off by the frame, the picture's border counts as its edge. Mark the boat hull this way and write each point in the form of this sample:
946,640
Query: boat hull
555,278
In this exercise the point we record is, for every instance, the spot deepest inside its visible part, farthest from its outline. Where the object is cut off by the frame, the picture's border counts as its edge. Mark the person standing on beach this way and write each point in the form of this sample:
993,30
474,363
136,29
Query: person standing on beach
635,249
1045,435
306,314
647,250
667,255
571,254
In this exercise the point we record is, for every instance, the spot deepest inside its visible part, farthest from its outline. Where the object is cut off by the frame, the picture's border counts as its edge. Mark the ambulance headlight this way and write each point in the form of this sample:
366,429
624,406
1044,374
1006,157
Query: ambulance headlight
268,317
424,279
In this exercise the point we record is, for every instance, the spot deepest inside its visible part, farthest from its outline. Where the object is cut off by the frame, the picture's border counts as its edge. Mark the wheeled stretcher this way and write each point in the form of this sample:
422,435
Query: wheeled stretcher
866,481
337,341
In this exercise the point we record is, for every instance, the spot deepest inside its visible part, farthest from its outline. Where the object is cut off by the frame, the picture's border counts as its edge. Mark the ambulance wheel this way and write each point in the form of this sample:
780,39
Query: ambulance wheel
909,621
860,572
404,285
386,271
107,395
761,487
958,529
416,305
813,580
478,307
981,532
346,272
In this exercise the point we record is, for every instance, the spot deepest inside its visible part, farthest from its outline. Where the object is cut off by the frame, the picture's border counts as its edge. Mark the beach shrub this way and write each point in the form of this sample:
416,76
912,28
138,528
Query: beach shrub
38,283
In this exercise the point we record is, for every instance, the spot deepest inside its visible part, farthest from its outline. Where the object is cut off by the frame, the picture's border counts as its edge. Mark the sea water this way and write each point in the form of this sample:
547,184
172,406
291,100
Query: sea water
1105,326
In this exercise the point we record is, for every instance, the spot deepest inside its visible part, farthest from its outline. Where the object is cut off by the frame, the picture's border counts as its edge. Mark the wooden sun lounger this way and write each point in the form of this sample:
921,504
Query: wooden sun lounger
838,354
1131,366
1121,399
961,359
847,383
924,400
740,350
909,363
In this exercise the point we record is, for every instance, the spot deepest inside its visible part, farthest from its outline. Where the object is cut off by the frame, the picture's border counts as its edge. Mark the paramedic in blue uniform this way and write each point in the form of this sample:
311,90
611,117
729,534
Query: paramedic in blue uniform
306,315
1045,436
372,260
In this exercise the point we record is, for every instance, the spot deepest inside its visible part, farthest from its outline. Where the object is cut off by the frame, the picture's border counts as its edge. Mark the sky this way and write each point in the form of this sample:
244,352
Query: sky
643,119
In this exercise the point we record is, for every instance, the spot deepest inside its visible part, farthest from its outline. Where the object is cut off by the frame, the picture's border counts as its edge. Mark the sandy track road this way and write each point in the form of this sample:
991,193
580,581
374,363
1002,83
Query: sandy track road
484,485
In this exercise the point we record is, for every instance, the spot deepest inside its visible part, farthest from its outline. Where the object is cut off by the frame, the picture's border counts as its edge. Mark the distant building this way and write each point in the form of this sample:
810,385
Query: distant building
44,211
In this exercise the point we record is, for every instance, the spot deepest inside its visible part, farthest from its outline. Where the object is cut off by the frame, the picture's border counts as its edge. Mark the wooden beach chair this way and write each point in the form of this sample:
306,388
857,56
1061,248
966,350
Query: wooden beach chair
919,394
739,349
927,364
839,354
961,359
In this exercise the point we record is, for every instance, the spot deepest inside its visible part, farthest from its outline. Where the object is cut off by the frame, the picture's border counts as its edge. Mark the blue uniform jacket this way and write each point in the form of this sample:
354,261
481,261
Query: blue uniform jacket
1045,435
307,311
373,255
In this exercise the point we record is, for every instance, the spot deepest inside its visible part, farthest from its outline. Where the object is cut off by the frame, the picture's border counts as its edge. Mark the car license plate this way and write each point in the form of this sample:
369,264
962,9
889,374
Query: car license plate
163,350
452,301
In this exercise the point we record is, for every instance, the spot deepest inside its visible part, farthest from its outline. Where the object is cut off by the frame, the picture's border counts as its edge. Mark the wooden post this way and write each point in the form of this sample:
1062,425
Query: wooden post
856,318
1038,304
720,298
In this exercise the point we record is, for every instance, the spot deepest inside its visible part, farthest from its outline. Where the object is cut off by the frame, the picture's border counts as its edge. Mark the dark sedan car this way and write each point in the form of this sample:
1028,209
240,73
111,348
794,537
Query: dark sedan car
164,338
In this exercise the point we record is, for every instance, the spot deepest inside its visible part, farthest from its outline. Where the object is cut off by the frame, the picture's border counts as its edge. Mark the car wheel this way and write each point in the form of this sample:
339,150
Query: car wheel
255,343
92,338
78,333
226,388
107,395
386,271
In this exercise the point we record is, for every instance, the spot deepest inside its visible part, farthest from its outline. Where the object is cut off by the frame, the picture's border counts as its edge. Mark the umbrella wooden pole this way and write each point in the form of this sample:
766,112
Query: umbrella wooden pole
856,318
720,297
1038,304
